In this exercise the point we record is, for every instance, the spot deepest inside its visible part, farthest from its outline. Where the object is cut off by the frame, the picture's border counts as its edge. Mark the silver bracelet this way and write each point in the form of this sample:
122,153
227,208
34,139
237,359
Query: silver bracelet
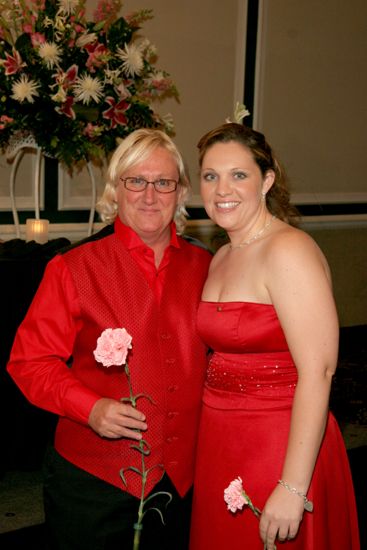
307,504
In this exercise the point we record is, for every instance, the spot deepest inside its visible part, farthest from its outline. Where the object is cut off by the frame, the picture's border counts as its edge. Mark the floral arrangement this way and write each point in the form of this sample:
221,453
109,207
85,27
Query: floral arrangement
236,498
112,349
77,86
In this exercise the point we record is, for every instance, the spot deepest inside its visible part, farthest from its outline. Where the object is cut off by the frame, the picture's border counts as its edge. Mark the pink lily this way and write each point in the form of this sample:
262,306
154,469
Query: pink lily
65,79
13,63
66,108
96,52
116,112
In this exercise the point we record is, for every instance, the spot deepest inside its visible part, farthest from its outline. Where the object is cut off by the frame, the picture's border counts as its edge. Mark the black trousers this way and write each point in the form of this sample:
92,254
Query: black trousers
85,513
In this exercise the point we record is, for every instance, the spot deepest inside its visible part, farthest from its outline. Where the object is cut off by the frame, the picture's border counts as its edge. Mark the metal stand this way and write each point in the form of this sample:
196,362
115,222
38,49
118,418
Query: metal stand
16,151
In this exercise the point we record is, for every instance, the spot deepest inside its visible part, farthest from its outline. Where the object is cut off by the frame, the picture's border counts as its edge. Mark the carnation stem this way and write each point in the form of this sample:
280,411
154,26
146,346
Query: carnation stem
144,449
131,393
138,526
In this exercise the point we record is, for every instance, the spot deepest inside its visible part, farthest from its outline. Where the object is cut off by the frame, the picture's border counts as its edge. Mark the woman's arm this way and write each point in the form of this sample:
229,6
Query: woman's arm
300,289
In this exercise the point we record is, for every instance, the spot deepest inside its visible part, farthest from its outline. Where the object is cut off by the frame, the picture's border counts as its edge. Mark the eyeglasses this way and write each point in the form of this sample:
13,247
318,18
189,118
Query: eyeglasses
162,185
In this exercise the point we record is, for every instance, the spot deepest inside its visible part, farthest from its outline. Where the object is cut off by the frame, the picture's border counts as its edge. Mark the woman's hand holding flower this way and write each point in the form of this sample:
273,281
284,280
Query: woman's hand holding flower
281,517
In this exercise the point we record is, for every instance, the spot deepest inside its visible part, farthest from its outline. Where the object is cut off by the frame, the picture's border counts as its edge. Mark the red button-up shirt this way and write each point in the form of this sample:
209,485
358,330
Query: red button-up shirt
144,256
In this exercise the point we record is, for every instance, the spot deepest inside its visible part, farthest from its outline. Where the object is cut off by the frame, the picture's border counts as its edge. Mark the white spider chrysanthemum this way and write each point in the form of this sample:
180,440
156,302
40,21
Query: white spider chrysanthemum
24,89
67,7
50,53
132,59
88,89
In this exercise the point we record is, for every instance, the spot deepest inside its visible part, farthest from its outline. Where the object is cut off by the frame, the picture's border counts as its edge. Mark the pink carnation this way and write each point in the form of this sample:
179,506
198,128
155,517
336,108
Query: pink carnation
112,347
234,495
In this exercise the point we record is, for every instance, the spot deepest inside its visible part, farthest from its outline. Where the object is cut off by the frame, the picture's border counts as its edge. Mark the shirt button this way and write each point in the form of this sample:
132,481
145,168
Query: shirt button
165,336
172,389
219,308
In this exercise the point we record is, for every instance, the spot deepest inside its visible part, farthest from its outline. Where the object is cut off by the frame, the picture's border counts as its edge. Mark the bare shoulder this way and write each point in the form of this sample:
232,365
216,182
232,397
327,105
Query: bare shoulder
290,246
292,254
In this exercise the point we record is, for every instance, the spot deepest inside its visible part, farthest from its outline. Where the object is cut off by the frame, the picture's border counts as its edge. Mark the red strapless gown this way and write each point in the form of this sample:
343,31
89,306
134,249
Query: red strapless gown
244,429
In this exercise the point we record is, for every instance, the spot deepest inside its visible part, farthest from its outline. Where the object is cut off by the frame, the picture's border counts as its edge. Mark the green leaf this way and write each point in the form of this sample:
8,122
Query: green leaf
133,469
155,510
85,111
122,475
136,470
145,452
159,493
119,34
141,395
99,26
24,46
154,467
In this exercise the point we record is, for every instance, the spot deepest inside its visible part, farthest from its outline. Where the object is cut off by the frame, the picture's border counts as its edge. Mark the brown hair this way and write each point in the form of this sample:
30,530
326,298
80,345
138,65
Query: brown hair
278,196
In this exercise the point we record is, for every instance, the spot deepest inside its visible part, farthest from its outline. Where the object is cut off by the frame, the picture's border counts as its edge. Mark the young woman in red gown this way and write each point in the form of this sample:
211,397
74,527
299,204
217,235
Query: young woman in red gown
269,316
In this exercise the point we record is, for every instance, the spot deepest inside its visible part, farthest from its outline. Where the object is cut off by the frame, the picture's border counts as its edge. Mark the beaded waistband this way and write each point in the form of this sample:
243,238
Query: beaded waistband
249,376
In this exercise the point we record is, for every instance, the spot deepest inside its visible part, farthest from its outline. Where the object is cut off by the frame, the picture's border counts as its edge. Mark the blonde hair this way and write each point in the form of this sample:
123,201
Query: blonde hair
134,149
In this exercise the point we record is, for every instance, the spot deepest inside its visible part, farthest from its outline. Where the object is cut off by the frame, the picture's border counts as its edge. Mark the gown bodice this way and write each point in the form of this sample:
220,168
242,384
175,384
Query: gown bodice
240,327
250,351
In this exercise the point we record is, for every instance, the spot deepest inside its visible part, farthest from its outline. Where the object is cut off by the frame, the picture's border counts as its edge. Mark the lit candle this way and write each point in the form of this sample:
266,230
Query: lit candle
37,230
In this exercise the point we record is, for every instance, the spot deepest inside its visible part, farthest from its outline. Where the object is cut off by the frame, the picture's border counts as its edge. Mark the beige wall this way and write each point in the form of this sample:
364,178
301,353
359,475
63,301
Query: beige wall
346,252
311,94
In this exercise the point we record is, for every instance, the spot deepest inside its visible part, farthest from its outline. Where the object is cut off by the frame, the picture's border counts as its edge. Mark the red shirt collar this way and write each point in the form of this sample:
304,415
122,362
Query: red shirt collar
132,240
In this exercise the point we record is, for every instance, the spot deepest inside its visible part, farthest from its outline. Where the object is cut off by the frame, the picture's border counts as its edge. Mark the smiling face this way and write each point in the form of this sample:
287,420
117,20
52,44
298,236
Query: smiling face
232,185
149,213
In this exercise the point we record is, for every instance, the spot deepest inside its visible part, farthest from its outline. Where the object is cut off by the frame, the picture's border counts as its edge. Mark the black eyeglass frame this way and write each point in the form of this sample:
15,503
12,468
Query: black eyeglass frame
154,182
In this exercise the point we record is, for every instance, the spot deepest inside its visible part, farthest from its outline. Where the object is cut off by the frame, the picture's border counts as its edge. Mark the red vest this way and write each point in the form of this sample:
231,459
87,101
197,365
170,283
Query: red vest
167,360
